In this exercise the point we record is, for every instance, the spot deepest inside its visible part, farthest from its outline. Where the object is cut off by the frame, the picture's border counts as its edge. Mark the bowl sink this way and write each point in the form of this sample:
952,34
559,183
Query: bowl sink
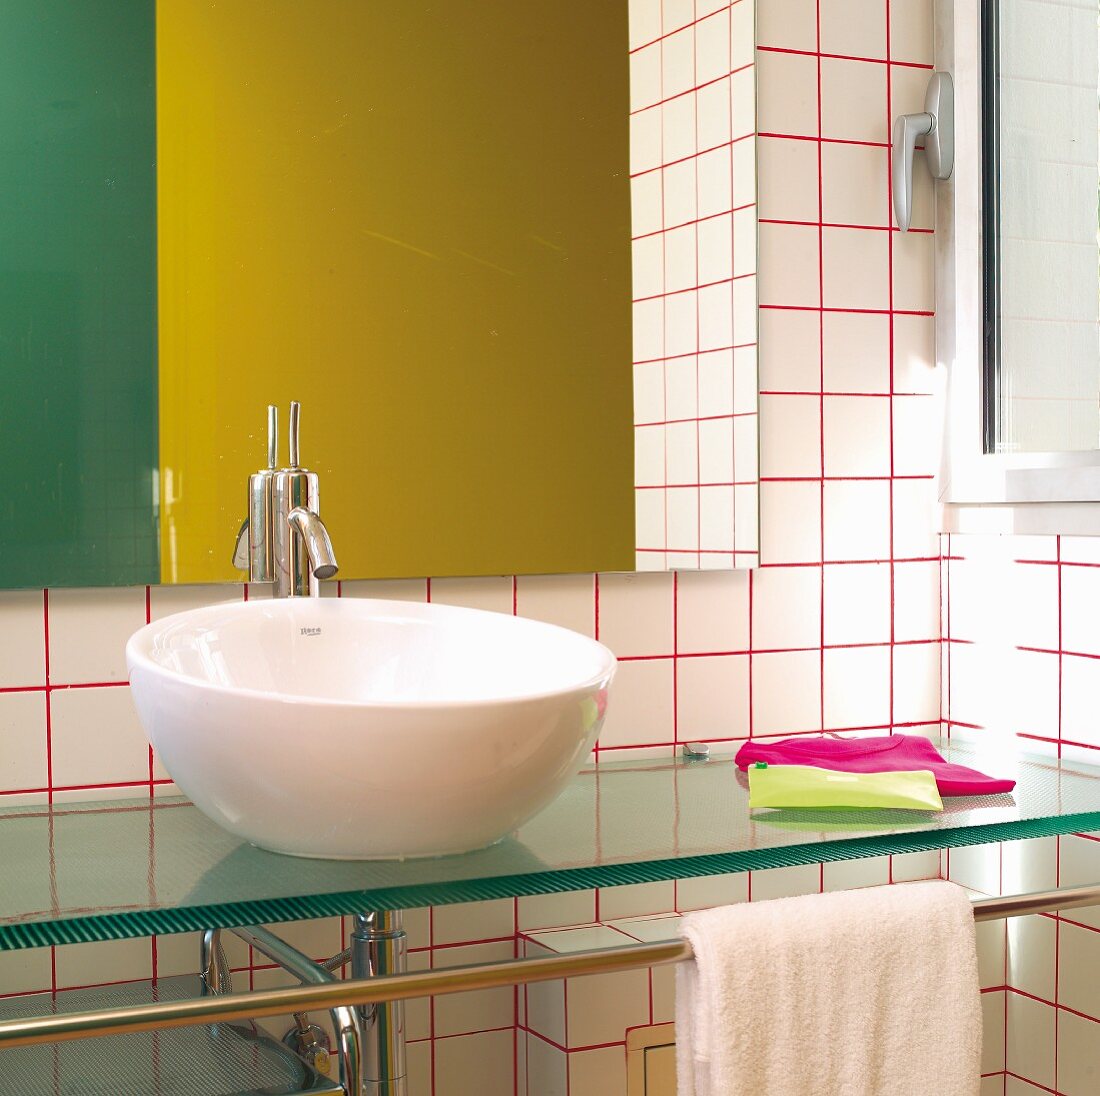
360,729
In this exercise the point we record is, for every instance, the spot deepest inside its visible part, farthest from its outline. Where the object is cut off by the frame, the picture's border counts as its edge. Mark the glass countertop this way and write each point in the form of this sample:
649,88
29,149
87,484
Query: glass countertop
106,871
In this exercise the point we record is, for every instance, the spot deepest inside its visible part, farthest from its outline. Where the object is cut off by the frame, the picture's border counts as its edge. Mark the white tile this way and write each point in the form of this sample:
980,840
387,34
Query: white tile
109,961
714,240
713,119
636,613
649,456
915,368
790,436
682,454
23,762
857,687
715,317
916,600
1078,956
789,265
645,22
789,24
23,643
857,603
712,697
786,882
546,911
681,388
637,900
854,185
494,593
387,589
993,1032
1080,685
856,352
26,971
789,171
679,246
473,921
1079,865
855,268
713,180
678,128
682,324
716,451
857,435
990,940
1078,1055
916,682
911,33
857,520
640,708
645,140
645,76
547,1069
480,1010
1031,955
649,392
712,47
713,890
914,288
786,692
565,600
645,203
871,871
712,612
915,865
472,1065
647,262
977,867
1080,596
600,1072
88,632
744,167
96,737
790,522
165,600
676,14
853,100
602,1007
916,519
682,510
790,351
786,608
743,101
1031,1039
854,28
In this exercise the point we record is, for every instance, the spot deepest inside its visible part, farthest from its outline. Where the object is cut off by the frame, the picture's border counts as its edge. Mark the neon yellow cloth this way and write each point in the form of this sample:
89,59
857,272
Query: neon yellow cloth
809,786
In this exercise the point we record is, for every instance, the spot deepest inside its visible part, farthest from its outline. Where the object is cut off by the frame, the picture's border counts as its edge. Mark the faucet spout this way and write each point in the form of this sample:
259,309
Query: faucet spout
318,544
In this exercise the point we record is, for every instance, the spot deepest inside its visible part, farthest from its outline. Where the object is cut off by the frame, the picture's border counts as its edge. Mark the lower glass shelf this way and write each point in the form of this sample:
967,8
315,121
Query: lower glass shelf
216,1060
103,871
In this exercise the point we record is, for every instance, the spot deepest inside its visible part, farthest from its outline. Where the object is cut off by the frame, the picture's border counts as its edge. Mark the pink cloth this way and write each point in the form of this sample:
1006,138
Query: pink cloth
893,753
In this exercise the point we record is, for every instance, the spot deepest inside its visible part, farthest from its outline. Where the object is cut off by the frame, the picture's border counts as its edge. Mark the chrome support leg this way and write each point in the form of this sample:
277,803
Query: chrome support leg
379,946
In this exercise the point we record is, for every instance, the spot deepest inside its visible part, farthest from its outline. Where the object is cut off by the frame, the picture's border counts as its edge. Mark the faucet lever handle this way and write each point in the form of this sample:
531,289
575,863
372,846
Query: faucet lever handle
295,414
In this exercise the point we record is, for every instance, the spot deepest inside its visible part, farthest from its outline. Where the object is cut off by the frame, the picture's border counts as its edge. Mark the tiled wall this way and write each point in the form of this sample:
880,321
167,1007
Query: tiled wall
693,190
1021,659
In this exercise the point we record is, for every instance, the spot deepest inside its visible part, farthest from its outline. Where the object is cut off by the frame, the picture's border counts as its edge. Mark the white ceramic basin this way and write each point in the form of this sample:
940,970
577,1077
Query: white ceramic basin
351,729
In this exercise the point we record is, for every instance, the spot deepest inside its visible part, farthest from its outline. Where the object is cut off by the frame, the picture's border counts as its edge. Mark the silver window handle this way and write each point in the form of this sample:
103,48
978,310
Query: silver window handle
937,126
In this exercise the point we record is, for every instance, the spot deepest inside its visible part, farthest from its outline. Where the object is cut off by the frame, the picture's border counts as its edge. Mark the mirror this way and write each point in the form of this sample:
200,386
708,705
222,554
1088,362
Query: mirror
441,229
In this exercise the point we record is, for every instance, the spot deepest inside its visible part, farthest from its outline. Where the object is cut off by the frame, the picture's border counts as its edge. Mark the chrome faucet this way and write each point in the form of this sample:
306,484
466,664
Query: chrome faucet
283,540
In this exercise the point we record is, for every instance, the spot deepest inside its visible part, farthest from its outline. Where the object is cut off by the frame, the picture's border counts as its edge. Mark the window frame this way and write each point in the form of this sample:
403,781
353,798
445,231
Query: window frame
1055,492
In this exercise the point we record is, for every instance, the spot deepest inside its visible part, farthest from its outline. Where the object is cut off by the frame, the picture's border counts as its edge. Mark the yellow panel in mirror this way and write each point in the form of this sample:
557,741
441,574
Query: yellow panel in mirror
415,220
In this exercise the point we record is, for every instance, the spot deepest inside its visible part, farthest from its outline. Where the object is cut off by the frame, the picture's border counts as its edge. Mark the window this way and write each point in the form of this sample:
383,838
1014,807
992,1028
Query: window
1018,265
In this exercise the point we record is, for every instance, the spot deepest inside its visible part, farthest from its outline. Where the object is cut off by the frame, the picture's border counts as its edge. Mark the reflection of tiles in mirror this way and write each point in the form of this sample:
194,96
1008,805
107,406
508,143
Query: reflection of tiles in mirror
693,183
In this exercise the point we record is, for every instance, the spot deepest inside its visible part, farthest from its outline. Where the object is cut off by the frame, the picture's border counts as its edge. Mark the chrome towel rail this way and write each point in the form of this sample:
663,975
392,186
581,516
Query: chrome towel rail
400,987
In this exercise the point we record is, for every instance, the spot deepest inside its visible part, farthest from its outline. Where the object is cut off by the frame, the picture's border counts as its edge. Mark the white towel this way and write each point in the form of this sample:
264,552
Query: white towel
857,993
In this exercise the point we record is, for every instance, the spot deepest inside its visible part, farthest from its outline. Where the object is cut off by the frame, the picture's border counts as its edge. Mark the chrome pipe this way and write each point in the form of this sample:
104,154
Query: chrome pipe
345,1019
379,949
427,983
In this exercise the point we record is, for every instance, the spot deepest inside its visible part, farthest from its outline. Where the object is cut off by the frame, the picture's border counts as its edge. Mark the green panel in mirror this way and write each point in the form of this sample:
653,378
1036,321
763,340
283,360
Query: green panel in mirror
78,416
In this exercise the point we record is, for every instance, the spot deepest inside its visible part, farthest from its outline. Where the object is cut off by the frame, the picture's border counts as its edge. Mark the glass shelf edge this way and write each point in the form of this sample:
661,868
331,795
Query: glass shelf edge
168,921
